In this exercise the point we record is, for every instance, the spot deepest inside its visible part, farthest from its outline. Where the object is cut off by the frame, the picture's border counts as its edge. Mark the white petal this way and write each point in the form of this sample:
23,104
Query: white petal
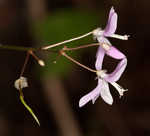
119,88
121,37
105,92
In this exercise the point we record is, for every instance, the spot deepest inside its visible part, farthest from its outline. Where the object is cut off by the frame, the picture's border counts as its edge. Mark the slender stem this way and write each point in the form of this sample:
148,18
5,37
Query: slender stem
25,63
17,48
40,61
73,60
66,41
32,53
81,47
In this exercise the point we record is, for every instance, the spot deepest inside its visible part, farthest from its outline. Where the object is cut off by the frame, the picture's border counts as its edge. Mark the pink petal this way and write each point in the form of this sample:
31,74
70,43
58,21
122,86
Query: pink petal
105,92
101,52
111,24
93,95
111,12
116,74
115,53
99,58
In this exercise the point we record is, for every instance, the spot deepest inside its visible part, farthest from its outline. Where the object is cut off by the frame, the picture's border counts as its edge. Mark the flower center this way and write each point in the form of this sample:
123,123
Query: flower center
101,73
98,32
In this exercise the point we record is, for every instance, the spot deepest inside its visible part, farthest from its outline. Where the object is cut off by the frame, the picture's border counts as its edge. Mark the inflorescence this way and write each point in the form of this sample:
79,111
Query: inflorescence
104,48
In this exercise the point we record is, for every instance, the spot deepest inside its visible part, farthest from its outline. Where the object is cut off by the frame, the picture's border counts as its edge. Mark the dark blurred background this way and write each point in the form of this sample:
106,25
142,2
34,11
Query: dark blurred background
54,91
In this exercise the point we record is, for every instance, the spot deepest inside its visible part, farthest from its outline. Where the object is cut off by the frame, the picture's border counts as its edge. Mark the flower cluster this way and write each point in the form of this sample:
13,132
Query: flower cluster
105,47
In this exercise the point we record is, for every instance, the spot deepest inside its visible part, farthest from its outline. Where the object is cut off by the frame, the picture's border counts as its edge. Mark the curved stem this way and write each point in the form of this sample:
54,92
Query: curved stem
29,109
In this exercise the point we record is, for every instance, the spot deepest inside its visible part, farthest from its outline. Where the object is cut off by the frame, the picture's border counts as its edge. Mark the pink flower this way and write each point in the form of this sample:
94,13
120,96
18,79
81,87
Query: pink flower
105,47
109,30
102,88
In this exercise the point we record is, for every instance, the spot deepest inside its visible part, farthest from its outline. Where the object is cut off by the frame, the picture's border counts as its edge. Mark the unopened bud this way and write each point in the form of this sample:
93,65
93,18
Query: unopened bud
41,63
21,83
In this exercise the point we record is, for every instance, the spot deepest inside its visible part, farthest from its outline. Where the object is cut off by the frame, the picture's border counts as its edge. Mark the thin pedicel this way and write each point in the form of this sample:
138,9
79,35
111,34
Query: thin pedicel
25,63
67,41
76,62
80,47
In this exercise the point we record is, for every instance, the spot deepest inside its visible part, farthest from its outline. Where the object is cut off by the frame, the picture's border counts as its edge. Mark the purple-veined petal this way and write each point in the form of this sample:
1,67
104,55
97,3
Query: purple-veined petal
99,58
92,96
115,53
116,74
105,92
111,24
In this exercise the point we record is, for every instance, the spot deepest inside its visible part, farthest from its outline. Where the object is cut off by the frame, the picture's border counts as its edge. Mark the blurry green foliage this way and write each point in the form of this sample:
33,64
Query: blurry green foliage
63,25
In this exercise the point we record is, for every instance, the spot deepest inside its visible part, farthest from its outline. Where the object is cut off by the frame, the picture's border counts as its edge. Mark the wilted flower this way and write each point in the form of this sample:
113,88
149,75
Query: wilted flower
21,83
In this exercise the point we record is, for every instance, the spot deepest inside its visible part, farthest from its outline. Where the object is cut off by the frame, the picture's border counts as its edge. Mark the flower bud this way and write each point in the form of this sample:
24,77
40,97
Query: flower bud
41,63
